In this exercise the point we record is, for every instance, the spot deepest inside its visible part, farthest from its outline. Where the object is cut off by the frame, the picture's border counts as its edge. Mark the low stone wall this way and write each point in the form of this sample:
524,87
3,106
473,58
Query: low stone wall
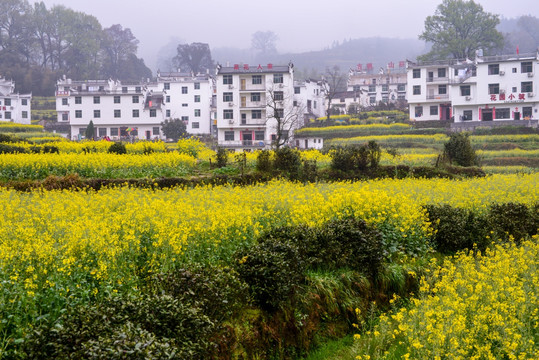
471,125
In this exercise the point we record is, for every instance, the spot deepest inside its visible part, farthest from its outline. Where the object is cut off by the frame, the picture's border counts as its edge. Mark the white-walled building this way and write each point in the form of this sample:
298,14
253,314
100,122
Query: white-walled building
135,109
309,94
369,88
487,89
428,90
247,98
14,107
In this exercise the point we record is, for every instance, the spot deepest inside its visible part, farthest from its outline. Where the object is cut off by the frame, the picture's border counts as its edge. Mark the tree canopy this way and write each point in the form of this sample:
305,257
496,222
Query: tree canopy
458,28
174,129
195,57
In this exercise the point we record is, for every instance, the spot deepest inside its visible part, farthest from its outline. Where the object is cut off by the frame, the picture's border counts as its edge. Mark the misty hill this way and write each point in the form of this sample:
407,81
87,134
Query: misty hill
376,50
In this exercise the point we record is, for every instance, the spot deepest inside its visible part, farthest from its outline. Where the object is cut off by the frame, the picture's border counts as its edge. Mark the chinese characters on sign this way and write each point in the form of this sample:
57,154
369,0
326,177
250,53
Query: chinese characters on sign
511,97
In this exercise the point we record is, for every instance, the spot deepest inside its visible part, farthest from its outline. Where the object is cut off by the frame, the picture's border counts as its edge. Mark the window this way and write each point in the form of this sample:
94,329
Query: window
185,119
227,79
184,105
527,112
294,103
255,97
197,112
278,95
385,88
514,70
372,100
153,112
416,73
78,100
228,114
124,89
503,113
256,114
97,100
197,98
526,87
401,87
228,97
167,86
116,99
356,88
184,89
279,113
135,99
314,104
97,113
493,69
441,72
117,113
137,89
372,88
24,102
65,116
25,114
257,79
465,90
64,101
195,125
78,114
167,99
277,78
229,135
155,130
102,132
493,89
434,110
259,135
442,89
113,131
8,115
197,86
297,90
417,89
526,67
136,113
467,115
418,111
167,113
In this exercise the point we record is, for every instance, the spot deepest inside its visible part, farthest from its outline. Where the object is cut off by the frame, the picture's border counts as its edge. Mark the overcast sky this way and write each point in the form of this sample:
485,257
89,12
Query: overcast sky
301,25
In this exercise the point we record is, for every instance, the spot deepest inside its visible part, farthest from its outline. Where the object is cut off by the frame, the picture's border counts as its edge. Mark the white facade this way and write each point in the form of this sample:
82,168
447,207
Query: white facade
496,88
309,95
246,99
388,86
428,90
14,107
120,110
309,143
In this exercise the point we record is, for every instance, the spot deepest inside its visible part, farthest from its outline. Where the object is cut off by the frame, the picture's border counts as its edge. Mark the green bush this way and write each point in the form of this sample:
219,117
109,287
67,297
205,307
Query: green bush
309,171
118,148
459,150
11,149
513,219
289,161
263,161
457,229
274,270
222,157
87,331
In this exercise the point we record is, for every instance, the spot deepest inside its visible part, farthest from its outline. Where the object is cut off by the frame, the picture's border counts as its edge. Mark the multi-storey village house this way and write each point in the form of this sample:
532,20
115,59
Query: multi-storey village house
14,107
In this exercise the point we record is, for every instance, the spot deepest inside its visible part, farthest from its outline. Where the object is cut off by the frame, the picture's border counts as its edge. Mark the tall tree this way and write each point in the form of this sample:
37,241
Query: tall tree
117,45
286,118
263,42
195,57
333,82
458,28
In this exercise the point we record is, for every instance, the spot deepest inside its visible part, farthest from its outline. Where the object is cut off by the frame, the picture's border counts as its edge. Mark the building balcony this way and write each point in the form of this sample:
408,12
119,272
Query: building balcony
253,88
438,97
442,80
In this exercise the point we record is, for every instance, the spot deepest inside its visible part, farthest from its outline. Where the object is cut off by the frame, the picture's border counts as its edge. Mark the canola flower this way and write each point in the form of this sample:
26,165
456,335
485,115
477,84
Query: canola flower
483,306
351,128
94,165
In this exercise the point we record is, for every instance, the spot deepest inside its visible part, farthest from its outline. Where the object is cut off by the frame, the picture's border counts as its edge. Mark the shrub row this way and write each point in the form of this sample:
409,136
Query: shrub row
457,229
275,267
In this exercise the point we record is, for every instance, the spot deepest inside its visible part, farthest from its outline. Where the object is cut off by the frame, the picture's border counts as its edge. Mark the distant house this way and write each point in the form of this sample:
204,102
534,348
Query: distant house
135,109
369,88
489,90
14,107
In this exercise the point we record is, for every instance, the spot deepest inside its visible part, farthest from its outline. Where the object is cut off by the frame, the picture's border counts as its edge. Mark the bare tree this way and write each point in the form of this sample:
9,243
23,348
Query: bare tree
333,82
263,42
286,115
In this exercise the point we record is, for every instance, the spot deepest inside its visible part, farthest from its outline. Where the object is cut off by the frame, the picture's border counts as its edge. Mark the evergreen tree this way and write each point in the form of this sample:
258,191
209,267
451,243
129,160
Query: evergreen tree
90,131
